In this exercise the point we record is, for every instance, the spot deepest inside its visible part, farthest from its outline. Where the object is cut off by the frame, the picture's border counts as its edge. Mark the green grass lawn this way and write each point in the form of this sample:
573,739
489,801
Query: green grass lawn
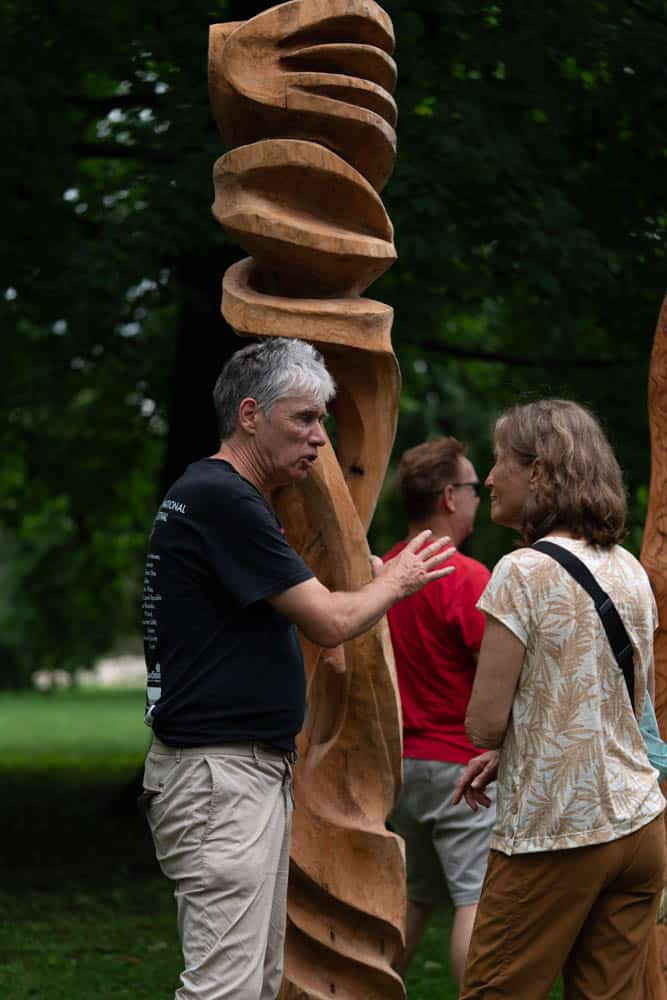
84,911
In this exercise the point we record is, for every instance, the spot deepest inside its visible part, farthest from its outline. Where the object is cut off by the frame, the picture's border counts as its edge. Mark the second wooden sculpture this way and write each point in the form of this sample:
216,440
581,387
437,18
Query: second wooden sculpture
654,559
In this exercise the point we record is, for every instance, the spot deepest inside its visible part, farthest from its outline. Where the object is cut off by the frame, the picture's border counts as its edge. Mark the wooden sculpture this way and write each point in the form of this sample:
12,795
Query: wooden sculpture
654,559
302,95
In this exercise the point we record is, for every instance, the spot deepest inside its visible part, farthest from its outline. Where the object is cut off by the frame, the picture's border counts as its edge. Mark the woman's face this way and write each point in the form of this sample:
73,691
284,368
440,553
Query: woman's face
509,482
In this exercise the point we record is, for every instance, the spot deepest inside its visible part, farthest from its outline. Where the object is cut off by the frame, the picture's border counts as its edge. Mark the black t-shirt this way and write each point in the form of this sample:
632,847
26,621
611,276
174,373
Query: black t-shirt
223,665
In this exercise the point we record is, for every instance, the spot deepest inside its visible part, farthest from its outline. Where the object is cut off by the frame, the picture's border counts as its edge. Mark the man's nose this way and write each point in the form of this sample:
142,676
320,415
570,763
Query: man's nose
489,479
319,436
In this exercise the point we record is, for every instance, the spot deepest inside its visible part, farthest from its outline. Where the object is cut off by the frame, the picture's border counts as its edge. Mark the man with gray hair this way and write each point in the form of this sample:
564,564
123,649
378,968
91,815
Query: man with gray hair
226,688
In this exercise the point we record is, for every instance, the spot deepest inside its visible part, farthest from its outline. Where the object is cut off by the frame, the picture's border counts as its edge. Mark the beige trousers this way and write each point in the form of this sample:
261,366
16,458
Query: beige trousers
220,818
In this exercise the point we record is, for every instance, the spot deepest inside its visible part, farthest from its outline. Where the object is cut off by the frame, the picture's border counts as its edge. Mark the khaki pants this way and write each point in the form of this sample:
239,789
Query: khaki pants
587,911
220,818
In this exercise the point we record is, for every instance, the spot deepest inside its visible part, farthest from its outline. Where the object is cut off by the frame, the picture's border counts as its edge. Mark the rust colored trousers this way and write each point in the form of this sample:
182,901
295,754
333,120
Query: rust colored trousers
588,911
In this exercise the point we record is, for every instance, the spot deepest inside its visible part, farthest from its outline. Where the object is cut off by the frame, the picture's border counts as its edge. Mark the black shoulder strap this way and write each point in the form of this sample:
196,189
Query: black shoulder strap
619,639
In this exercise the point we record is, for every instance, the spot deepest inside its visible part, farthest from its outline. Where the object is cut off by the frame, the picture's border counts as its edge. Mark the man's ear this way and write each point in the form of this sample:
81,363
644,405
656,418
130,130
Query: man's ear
248,411
446,500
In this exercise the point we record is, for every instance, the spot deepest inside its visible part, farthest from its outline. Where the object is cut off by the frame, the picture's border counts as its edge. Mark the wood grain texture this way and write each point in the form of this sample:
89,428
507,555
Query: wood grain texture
316,69
313,224
654,559
302,93
654,547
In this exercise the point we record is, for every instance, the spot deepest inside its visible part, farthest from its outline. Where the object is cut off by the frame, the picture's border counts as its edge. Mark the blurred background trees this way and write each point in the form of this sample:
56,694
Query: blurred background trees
530,208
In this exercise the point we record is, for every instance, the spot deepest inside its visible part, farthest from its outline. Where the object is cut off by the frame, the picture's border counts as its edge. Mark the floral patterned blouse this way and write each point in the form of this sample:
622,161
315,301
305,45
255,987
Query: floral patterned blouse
573,767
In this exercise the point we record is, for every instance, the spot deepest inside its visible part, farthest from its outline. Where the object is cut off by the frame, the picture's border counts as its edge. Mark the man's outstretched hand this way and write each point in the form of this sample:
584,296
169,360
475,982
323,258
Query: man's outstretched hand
416,564
329,618
474,778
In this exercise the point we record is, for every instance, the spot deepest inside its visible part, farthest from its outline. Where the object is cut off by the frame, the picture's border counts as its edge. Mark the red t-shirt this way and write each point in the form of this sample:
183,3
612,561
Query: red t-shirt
435,633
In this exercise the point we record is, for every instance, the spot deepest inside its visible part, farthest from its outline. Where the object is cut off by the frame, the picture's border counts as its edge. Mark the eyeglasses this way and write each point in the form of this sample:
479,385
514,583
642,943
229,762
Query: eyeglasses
476,485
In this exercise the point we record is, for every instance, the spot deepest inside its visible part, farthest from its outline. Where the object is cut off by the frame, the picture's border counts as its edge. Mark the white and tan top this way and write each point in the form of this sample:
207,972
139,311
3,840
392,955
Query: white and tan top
573,766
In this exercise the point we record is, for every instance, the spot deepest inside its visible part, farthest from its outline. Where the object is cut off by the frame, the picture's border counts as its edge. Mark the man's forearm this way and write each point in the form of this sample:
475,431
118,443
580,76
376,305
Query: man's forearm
330,618
352,612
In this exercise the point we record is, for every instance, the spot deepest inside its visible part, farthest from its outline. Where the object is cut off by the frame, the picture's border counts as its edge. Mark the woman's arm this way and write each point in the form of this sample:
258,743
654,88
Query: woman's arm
500,661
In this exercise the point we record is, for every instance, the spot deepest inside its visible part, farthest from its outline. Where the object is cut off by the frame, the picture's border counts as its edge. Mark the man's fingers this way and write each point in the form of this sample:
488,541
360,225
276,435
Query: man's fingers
439,557
437,574
419,540
376,565
439,543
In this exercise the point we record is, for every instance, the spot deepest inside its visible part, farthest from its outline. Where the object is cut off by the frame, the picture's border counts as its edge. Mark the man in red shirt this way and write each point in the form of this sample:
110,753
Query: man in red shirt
436,635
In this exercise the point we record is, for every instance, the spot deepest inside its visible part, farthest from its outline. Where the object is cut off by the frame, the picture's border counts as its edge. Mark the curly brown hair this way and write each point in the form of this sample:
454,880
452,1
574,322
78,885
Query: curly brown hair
423,473
578,482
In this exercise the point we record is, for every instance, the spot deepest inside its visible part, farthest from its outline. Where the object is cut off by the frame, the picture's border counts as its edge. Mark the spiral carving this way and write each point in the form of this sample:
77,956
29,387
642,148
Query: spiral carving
302,94
654,559
310,69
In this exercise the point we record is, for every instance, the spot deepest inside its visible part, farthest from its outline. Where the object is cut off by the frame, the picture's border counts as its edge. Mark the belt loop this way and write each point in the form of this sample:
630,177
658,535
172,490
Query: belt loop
178,755
253,747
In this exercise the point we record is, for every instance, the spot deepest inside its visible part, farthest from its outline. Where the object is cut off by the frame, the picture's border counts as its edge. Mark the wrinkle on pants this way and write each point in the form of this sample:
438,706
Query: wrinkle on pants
220,819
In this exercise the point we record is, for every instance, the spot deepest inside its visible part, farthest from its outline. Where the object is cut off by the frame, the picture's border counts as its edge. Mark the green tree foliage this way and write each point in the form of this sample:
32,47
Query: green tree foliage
530,211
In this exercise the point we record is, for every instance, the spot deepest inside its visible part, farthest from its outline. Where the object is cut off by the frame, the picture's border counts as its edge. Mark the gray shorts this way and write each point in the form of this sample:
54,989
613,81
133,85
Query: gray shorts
446,846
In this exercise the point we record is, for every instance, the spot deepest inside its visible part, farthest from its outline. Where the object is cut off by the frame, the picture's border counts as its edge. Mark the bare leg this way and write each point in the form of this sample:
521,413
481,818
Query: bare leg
462,924
416,919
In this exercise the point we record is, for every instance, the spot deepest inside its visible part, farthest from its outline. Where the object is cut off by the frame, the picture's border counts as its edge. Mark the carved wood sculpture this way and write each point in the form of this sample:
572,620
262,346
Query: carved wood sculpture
302,95
654,559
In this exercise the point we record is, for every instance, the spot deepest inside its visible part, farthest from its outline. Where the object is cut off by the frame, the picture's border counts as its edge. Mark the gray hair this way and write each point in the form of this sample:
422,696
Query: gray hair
267,371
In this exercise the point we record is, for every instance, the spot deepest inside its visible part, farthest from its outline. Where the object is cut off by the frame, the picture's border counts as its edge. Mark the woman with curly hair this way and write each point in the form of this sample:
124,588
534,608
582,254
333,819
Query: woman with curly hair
577,861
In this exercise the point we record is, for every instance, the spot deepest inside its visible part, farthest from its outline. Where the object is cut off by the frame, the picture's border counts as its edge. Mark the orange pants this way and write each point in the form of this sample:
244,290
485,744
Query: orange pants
587,911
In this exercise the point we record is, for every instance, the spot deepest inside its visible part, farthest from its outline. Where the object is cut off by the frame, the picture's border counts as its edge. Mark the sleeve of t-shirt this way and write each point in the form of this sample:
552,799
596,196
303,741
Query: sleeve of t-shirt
248,550
461,610
507,597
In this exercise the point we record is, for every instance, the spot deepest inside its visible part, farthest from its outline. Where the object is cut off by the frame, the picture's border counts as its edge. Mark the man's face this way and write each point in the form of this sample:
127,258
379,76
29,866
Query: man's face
288,440
466,498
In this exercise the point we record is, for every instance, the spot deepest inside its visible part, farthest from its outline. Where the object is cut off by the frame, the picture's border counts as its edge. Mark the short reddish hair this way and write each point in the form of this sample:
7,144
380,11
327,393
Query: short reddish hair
424,471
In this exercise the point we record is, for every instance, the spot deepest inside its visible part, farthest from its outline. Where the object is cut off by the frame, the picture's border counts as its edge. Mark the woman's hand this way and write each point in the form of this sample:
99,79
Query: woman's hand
474,778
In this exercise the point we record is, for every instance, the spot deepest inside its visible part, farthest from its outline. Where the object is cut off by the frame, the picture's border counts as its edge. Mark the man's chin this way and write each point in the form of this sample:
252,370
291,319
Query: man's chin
304,469
296,475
